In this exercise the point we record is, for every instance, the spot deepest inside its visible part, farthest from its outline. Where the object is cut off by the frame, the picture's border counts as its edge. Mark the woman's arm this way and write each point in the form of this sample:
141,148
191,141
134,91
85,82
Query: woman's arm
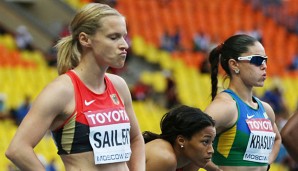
224,111
277,141
290,136
160,156
137,160
46,107
162,162
276,145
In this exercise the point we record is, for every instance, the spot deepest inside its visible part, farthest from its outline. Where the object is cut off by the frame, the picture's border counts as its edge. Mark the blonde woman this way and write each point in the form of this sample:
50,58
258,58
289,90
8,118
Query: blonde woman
89,111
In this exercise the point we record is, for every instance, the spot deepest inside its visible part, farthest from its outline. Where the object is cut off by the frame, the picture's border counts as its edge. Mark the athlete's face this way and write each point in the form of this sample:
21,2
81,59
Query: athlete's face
109,44
199,148
251,74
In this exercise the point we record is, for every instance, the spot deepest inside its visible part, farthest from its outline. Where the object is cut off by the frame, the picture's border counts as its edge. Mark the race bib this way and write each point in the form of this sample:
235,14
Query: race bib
109,135
261,140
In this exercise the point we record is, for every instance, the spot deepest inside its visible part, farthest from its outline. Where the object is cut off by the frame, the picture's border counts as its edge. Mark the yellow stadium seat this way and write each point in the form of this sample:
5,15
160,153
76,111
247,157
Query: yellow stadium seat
8,41
138,46
152,54
159,82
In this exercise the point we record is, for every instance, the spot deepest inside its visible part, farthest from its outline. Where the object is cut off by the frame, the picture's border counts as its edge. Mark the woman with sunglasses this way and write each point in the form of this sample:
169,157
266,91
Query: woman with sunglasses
247,136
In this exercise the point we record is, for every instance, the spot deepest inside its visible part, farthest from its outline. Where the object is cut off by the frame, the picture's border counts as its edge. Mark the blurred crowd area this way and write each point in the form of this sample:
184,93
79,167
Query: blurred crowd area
167,63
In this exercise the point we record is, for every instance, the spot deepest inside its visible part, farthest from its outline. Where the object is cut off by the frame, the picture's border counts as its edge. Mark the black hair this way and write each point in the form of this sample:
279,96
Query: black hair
182,120
232,48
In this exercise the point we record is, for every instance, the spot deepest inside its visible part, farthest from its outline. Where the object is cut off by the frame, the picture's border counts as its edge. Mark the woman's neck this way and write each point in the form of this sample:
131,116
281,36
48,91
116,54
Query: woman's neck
244,92
92,76
181,160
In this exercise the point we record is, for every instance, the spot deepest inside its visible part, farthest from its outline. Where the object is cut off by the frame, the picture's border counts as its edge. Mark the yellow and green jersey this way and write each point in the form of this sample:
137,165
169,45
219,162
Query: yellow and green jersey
249,141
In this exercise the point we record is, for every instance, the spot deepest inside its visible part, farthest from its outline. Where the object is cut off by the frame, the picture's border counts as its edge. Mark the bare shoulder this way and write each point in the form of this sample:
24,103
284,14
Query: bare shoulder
62,86
121,86
222,104
269,110
160,151
223,110
224,97
116,80
52,101
56,95
266,106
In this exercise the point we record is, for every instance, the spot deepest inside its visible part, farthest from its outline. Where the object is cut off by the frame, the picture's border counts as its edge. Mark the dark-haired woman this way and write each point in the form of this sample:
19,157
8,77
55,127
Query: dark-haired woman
186,139
247,136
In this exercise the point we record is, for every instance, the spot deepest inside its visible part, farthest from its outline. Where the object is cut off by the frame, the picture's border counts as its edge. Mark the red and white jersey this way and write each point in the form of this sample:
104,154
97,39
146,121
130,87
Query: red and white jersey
99,124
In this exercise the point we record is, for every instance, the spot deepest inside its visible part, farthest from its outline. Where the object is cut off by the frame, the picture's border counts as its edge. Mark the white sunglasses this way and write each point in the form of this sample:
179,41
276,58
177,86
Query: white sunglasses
257,60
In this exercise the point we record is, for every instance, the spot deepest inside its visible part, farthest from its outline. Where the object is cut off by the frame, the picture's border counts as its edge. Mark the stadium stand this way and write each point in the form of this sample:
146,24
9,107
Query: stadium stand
22,73
26,73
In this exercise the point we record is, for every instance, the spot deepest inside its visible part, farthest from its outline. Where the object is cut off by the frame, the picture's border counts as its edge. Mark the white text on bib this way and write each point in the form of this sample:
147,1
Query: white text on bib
109,135
261,140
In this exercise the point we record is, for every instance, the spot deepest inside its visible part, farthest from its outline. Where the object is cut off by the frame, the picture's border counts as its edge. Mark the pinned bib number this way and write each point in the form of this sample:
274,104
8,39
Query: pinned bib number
109,136
261,140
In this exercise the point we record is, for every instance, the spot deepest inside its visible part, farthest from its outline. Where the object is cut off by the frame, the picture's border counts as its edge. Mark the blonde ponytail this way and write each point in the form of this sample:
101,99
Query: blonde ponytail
68,56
